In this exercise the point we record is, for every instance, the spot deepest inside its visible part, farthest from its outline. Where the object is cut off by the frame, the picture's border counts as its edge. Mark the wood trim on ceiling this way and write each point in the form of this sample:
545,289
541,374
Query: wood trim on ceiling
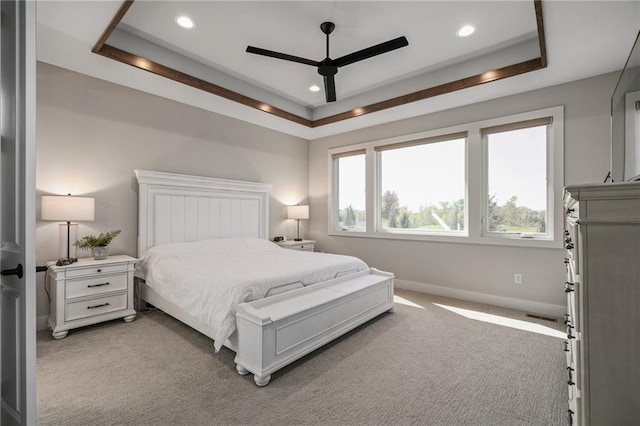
485,77
103,49
175,75
537,4
124,8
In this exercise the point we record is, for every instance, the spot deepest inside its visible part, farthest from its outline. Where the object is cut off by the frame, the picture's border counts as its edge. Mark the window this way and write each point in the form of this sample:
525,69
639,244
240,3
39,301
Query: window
497,181
349,169
422,185
516,176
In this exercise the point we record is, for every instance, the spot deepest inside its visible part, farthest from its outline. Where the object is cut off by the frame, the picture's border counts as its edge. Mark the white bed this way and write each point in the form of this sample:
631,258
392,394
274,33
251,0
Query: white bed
206,260
210,278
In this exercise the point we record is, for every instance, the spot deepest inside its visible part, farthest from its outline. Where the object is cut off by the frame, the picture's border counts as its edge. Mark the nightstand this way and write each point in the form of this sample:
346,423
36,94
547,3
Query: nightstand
304,245
90,291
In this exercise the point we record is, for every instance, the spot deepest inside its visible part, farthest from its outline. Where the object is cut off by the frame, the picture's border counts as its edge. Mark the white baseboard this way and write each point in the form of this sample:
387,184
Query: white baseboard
489,299
471,296
42,322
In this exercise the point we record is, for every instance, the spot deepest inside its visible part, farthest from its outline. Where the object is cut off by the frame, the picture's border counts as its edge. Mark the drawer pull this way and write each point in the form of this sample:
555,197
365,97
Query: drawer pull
569,246
566,346
566,260
97,285
570,414
98,306
99,270
569,335
571,210
567,287
566,319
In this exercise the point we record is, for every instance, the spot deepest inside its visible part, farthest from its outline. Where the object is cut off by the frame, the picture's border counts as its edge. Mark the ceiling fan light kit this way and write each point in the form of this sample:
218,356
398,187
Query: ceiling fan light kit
328,67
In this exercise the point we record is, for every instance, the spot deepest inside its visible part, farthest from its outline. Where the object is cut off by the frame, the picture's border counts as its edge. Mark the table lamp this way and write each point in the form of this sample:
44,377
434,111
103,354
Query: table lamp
67,209
298,212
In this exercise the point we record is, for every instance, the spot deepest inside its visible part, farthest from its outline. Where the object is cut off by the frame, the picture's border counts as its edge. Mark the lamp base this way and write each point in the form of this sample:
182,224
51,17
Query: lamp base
297,239
66,261
68,235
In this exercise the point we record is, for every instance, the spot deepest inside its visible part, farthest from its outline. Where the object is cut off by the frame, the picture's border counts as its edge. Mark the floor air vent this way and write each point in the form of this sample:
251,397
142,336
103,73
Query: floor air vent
542,317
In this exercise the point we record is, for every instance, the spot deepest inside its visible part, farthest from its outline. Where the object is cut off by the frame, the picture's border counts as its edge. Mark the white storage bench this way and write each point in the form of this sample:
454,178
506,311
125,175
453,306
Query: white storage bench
275,331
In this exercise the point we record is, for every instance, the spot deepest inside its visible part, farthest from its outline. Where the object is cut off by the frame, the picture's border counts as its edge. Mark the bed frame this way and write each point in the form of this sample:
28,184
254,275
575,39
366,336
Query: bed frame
271,332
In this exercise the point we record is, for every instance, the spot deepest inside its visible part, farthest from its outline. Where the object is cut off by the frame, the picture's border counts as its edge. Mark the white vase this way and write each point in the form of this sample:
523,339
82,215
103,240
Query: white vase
101,252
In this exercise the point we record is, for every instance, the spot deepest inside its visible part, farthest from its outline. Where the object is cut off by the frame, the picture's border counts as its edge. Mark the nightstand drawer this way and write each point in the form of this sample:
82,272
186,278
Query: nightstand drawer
95,269
95,285
101,305
304,245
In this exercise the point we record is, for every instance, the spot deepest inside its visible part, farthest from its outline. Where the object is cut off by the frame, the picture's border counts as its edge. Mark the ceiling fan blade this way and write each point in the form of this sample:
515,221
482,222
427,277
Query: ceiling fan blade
330,88
278,55
372,51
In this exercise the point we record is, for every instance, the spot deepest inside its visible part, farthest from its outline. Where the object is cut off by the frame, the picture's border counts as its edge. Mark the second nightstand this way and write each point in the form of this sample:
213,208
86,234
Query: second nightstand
304,245
90,291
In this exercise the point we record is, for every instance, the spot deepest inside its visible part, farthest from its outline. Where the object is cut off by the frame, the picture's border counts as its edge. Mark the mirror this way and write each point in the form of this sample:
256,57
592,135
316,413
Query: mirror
625,120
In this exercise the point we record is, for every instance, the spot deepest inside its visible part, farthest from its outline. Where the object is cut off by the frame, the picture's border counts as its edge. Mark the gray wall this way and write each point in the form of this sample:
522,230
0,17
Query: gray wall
483,269
93,134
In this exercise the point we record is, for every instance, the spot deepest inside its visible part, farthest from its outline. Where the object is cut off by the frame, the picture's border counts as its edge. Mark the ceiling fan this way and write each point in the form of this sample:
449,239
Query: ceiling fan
328,67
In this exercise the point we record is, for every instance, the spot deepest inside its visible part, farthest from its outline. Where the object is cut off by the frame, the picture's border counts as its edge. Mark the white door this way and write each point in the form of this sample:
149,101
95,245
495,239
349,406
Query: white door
17,213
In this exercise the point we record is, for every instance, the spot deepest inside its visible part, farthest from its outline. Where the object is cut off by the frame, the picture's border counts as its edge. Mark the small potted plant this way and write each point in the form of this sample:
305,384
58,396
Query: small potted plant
99,246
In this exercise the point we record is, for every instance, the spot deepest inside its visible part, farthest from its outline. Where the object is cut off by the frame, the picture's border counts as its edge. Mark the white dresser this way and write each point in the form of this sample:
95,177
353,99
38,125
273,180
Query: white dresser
90,291
602,241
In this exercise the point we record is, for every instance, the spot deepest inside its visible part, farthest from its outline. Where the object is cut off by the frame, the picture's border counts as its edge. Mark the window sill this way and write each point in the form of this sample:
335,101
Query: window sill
457,239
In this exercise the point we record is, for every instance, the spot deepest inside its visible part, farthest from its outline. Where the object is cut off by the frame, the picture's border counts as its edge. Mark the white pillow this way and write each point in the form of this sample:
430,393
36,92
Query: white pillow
206,248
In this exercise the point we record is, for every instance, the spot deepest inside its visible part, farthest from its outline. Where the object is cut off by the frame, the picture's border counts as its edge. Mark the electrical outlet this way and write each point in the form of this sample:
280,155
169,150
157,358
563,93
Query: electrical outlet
517,278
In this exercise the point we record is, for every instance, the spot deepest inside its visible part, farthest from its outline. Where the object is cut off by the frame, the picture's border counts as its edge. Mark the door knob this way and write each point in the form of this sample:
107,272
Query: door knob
16,271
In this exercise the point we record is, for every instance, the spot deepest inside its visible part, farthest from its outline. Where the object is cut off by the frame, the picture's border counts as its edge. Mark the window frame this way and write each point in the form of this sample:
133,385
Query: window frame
525,124
380,148
475,185
333,201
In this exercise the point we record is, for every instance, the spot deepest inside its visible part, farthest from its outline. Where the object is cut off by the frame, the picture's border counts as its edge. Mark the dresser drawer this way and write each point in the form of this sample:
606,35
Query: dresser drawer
96,269
95,285
572,311
572,273
573,412
572,243
96,306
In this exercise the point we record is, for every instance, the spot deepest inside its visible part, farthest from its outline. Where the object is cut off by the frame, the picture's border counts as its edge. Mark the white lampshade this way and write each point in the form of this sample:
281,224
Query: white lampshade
67,208
297,212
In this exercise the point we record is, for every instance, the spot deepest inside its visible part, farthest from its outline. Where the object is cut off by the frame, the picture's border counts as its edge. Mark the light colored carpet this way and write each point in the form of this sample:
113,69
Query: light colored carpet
422,364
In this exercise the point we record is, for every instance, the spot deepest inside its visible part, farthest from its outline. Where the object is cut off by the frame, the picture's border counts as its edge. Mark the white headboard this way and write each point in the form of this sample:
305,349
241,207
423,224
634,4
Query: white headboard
178,208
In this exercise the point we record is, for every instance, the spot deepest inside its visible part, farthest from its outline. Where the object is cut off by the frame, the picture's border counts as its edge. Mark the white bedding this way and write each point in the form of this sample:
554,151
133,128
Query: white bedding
208,279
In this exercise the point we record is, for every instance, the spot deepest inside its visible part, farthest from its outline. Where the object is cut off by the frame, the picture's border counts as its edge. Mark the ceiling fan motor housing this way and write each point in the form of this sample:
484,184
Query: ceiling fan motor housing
326,68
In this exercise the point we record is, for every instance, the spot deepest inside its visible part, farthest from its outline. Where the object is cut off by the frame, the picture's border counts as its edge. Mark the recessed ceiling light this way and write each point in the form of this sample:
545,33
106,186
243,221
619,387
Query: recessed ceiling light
185,22
466,30
314,88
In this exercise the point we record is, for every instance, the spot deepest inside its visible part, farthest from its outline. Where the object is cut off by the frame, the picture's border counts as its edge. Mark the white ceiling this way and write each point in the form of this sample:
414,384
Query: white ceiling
583,39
